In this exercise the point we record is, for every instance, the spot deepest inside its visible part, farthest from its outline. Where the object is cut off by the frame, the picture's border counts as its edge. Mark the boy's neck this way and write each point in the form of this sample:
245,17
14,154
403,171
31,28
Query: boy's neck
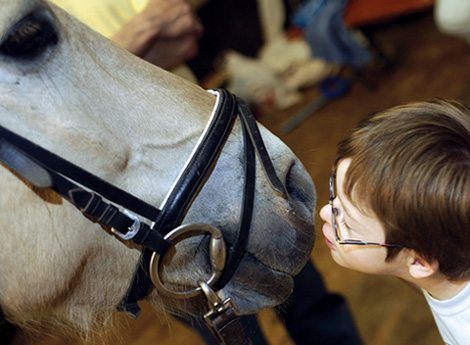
443,289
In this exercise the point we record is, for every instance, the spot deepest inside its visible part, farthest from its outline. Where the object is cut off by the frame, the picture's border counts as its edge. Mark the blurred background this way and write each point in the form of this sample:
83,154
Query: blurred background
390,52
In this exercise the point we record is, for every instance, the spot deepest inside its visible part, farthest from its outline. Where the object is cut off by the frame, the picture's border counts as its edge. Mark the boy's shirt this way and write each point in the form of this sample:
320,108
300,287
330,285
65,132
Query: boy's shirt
452,317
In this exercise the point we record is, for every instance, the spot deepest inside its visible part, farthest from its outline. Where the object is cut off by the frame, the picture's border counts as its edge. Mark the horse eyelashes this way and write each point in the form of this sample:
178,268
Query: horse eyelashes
29,37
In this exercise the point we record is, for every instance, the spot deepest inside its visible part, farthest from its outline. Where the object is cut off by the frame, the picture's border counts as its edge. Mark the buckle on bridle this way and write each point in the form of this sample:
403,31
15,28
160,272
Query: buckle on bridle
132,230
222,319
217,253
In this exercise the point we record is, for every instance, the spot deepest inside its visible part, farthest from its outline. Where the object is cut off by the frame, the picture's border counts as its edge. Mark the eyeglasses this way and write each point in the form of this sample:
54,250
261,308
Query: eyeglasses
334,222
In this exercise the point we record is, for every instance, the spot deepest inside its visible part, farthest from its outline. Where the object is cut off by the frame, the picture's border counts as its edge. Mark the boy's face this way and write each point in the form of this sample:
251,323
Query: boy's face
351,223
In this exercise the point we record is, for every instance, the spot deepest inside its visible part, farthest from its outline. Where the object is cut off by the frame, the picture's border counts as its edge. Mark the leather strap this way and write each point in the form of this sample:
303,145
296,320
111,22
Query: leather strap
237,250
90,203
199,168
101,202
52,162
185,190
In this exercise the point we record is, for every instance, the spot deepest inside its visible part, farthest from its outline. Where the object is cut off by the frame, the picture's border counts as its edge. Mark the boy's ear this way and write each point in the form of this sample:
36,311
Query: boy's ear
420,267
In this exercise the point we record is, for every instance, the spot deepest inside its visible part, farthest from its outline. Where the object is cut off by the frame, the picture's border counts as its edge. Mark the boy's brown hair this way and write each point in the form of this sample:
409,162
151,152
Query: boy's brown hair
410,168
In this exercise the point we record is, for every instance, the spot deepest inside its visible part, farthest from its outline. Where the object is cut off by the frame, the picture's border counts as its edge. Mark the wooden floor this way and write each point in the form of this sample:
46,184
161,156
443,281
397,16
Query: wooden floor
428,64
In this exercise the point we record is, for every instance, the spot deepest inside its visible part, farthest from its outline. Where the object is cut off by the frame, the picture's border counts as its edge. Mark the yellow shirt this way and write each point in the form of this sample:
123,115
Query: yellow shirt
108,16
105,16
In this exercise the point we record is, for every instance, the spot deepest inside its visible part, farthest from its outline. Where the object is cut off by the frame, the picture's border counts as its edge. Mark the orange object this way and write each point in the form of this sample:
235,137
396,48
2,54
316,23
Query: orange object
363,12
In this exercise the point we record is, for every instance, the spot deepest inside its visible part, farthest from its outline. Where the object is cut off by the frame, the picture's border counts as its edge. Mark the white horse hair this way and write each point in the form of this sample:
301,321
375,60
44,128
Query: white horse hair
134,125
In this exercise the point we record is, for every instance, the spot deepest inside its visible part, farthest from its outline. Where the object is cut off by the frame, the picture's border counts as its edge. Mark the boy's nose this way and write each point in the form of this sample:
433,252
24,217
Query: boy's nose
325,213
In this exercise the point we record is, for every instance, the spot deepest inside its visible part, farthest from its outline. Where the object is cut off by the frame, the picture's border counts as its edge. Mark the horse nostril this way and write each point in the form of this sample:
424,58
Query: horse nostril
30,36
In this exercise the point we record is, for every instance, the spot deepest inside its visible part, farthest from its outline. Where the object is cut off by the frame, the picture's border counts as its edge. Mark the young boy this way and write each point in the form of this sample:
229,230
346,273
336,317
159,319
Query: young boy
400,205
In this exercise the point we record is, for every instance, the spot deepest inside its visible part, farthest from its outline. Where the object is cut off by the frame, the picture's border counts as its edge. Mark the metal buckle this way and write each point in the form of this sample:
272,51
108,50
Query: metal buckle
217,252
132,230
222,319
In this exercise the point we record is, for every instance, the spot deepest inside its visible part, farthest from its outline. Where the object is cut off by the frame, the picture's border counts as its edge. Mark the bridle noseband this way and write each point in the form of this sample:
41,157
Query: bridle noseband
155,229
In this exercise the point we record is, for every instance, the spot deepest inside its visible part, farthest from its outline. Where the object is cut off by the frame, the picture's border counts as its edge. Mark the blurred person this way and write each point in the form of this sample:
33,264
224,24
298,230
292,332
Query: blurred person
163,32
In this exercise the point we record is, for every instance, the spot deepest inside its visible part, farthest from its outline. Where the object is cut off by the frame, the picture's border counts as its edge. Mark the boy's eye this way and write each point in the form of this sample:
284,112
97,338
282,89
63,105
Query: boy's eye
344,226
341,221
339,214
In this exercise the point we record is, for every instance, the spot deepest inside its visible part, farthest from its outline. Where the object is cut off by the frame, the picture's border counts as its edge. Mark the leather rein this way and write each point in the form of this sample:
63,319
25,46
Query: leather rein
157,229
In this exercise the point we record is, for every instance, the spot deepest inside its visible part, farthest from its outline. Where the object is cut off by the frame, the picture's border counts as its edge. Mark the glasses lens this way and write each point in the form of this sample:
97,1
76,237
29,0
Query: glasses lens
332,187
334,213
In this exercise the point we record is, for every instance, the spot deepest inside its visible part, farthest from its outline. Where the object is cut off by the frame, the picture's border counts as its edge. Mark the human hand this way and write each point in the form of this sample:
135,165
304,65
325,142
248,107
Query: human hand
173,18
166,33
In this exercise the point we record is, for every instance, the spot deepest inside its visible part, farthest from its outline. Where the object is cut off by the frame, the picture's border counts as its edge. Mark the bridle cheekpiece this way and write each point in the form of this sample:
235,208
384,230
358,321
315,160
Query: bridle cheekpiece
157,229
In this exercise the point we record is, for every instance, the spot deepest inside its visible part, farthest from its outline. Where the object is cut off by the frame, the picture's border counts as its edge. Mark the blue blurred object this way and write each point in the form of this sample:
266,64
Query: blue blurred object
330,88
333,87
326,32
306,12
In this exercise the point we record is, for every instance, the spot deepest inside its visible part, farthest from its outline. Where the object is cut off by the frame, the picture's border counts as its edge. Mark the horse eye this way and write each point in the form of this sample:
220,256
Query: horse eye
29,37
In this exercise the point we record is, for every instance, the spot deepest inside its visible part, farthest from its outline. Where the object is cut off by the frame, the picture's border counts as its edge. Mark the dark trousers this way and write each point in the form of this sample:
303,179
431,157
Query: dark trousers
7,331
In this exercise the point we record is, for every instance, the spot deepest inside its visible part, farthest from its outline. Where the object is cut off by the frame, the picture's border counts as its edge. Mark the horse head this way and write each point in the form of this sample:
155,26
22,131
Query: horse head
74,93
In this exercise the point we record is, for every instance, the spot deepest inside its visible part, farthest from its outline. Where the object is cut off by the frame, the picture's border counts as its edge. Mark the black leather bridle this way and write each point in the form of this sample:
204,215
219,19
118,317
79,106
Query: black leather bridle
135,220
